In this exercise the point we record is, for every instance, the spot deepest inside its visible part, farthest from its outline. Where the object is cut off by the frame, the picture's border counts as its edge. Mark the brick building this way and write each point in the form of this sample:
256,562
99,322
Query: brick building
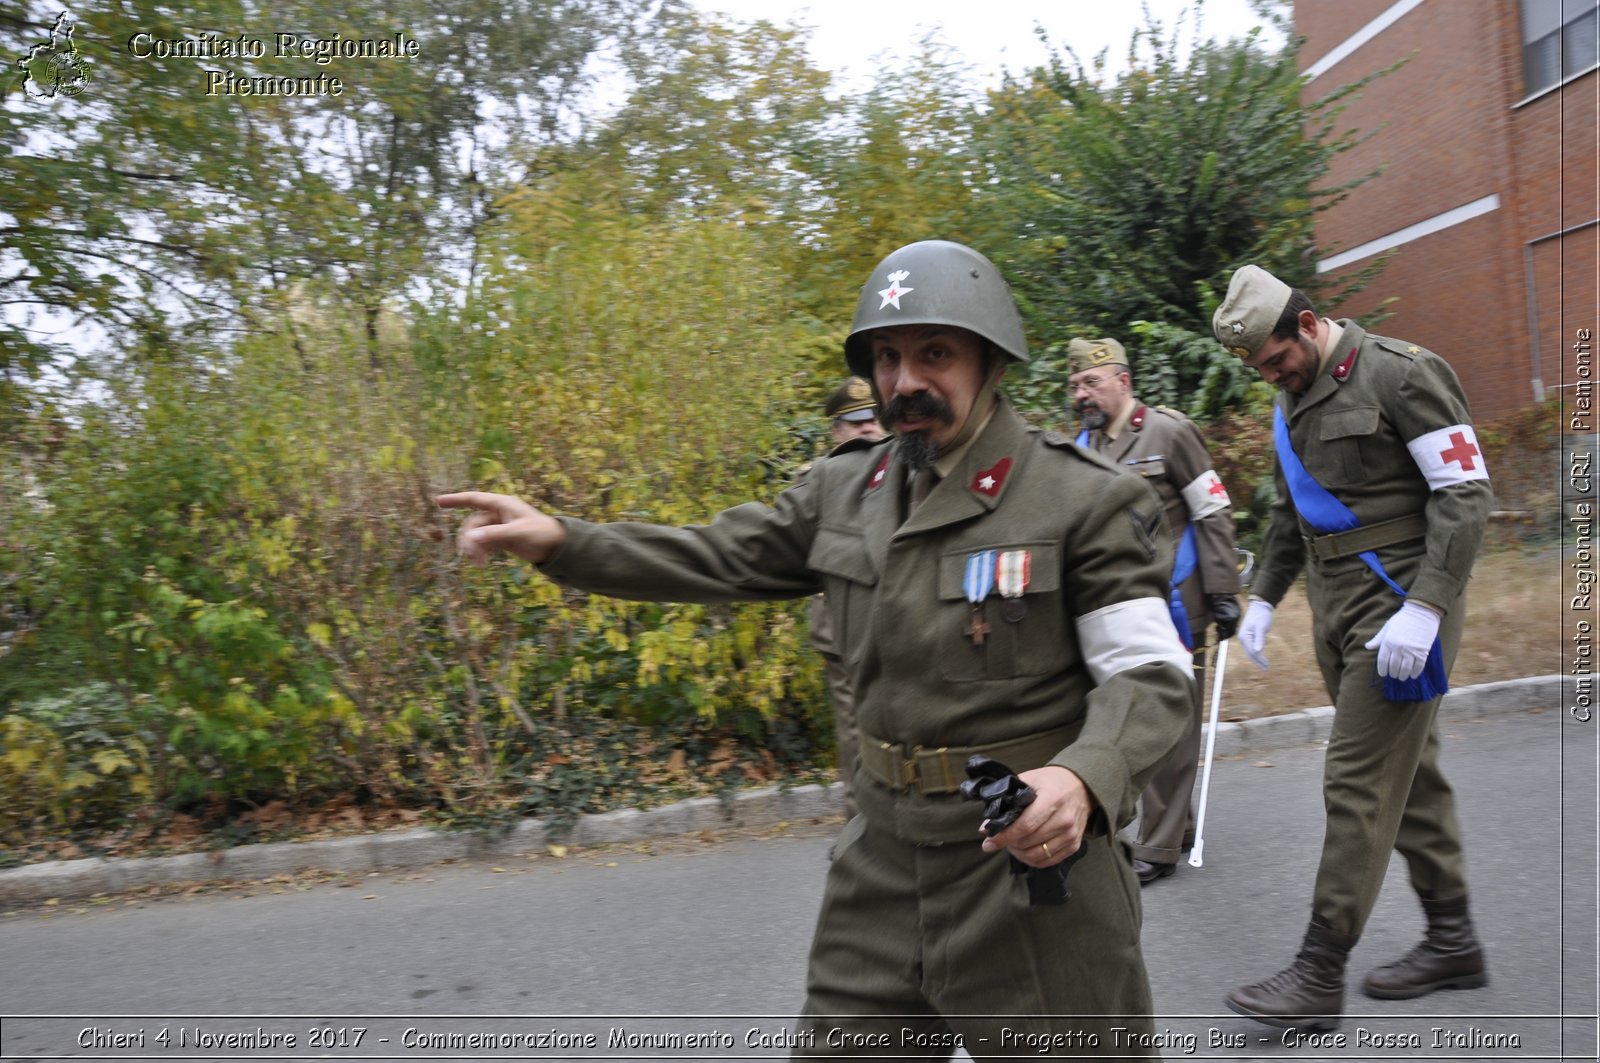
1490,193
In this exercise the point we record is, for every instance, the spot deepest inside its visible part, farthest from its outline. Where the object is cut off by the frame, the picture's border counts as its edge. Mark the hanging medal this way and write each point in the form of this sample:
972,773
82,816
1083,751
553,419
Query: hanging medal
976,582
1012,571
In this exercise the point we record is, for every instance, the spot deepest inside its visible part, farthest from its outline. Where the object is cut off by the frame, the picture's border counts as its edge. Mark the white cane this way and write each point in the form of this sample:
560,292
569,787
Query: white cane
1247,564
1196,853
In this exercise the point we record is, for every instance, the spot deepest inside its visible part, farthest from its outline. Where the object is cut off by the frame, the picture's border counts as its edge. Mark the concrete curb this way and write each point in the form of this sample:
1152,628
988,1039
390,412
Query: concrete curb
1313,725
766,806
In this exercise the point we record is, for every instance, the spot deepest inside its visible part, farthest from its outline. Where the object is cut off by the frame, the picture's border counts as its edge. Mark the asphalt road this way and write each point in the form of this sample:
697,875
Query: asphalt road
708,938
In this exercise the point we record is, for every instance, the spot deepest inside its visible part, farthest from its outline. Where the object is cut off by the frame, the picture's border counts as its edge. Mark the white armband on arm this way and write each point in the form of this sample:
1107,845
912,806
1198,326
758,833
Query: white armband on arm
1448,456
1128,634
1205,495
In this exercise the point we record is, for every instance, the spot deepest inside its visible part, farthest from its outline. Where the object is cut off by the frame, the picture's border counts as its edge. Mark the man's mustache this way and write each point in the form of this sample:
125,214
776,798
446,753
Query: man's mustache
921,405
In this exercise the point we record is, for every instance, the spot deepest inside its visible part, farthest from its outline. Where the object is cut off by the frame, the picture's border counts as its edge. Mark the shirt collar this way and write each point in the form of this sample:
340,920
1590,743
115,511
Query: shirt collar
1330,343
1119,423
947,462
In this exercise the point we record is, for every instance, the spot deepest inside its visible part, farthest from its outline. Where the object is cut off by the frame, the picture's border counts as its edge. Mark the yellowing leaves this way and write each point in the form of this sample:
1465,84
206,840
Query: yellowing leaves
21,758
397,457
110,761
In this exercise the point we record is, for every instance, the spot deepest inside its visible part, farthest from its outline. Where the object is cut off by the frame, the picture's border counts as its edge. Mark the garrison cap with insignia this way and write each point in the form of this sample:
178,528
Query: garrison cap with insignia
852,401
1246,318
1092,354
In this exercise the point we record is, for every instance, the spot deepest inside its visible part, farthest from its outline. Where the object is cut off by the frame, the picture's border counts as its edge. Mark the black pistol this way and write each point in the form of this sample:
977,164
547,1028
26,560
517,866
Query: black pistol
1004,796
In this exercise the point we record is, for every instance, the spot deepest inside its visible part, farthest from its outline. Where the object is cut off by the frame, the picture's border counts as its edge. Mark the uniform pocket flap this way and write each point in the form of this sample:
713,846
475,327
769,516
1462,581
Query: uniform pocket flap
1355,421
842,553
1043,567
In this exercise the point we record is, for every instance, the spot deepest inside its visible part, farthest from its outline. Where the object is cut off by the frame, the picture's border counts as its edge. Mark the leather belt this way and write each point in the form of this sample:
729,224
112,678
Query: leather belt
943,770
1370,537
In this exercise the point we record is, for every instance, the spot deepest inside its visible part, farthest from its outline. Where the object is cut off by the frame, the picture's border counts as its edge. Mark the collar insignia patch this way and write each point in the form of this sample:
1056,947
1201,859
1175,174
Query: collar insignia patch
988,481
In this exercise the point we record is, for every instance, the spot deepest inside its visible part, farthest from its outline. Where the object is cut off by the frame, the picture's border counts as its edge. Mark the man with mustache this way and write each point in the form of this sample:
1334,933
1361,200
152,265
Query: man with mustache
1165,448
998,592
1382,500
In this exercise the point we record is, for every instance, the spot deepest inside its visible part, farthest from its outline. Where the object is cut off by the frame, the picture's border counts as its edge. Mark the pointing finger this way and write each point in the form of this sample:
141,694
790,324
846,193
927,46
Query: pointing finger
468,500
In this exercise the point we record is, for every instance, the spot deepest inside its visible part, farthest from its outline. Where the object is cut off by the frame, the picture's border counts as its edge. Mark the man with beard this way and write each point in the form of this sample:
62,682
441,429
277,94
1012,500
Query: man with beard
1382,499
981,615
1165,448
852,414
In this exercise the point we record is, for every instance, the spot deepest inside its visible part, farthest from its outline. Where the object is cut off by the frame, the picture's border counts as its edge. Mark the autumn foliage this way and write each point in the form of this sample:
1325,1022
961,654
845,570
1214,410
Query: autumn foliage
226,599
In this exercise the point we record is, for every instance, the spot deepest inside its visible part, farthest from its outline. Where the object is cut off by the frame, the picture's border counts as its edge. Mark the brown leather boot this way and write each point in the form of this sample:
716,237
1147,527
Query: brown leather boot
1448,958
1309,993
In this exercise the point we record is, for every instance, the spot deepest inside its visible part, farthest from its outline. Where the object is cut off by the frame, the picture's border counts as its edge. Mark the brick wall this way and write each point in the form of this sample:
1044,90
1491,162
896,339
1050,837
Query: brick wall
1450,298
1326,23
1449,127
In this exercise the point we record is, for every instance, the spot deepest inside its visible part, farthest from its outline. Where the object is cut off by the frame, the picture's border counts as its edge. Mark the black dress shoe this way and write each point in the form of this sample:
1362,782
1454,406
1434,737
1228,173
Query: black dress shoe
1149,872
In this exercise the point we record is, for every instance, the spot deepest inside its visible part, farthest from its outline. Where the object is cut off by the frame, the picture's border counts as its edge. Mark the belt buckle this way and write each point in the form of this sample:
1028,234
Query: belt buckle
946,782
909,775
901,770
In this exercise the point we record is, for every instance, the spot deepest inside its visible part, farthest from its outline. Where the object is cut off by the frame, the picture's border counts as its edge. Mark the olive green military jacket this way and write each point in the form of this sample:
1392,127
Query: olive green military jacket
1093,647
1386,429
819,618
1164,447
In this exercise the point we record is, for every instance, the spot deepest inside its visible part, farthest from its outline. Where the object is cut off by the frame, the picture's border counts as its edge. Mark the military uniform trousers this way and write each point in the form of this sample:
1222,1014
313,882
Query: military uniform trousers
1382,786
907,931
1166,807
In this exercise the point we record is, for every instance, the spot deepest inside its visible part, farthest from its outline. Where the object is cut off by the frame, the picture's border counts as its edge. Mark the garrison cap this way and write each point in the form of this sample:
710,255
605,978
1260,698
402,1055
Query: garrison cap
1085,354
1246,318
852,401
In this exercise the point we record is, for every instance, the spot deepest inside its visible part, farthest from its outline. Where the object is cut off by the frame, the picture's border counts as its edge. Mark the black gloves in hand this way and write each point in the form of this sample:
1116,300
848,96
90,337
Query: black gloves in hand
1225,614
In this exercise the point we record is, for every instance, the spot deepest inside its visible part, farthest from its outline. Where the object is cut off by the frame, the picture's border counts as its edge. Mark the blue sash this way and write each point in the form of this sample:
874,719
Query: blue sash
1182,568
1326,514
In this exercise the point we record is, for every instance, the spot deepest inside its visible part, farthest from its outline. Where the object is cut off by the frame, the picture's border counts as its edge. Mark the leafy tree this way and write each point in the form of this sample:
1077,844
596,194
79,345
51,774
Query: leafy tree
719,120
901,167
1133,199
166,207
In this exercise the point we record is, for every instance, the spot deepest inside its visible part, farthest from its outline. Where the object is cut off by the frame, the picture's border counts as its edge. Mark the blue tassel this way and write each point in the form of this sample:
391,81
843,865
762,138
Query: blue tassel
1432,683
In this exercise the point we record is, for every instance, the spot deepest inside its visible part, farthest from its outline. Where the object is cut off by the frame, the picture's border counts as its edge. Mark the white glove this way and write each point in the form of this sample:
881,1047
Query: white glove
1253,631
1403,643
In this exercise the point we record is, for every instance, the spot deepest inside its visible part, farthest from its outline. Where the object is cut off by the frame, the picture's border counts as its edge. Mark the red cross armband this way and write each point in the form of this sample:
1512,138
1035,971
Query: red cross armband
1448,456
1205,495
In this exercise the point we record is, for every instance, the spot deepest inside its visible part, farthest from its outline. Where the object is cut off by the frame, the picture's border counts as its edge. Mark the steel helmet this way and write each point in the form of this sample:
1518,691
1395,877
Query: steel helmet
936,282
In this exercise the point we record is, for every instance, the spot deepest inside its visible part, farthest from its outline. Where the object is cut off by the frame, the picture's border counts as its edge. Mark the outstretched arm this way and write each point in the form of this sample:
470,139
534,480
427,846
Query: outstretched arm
751,552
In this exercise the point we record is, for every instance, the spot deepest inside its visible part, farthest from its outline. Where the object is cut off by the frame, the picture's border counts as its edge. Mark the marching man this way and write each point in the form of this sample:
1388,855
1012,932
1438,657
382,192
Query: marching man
1165,448
1382,500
